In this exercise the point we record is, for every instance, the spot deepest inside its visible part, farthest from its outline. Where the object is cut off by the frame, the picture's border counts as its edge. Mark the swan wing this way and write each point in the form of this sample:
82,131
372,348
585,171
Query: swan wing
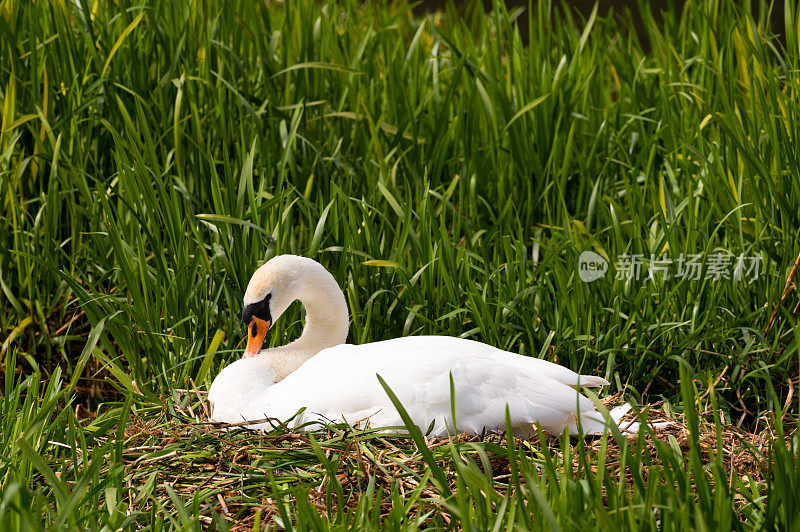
340,384
436,345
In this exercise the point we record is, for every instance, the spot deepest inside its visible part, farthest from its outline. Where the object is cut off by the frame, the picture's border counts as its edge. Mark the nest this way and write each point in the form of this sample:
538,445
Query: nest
238,473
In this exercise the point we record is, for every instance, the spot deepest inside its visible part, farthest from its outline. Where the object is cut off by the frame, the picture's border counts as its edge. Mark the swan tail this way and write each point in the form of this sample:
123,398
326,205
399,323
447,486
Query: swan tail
590,381
595,424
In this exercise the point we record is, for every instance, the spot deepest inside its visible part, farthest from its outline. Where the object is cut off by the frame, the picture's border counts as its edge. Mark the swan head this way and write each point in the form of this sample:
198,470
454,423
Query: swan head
283,280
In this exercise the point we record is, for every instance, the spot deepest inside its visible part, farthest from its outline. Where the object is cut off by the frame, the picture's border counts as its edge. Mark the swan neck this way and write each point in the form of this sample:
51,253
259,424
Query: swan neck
327,323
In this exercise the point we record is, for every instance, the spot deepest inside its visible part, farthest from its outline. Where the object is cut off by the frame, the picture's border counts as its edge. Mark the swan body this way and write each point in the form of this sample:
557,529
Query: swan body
337,382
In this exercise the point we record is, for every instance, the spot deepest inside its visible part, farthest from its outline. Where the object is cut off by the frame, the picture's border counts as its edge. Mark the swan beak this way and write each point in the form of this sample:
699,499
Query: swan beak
257,331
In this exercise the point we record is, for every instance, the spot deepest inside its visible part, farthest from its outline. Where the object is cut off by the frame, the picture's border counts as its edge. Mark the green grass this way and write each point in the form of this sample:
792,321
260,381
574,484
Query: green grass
153,155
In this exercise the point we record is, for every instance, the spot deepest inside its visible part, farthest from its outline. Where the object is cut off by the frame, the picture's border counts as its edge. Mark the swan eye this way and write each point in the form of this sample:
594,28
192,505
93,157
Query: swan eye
259,309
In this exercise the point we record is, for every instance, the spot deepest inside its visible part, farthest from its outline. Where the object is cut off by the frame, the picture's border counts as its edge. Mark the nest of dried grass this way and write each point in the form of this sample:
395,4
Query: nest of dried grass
177,447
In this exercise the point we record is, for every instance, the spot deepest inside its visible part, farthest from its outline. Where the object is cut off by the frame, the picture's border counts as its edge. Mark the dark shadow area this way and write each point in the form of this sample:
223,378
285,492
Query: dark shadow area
584,9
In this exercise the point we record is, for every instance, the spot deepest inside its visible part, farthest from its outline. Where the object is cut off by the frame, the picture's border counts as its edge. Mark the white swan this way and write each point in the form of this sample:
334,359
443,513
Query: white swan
337,382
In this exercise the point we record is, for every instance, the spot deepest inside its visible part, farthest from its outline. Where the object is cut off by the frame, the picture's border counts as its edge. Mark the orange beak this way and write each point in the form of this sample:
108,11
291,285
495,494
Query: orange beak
257,331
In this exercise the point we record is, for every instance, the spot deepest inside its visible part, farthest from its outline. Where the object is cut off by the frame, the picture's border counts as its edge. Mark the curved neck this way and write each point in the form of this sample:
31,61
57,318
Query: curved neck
327,322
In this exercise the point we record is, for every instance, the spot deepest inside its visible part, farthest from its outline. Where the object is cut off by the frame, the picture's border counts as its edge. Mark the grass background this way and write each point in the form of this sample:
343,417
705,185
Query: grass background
152,155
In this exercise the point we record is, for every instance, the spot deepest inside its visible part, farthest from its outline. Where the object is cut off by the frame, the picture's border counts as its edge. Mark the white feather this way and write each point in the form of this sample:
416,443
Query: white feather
339,384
